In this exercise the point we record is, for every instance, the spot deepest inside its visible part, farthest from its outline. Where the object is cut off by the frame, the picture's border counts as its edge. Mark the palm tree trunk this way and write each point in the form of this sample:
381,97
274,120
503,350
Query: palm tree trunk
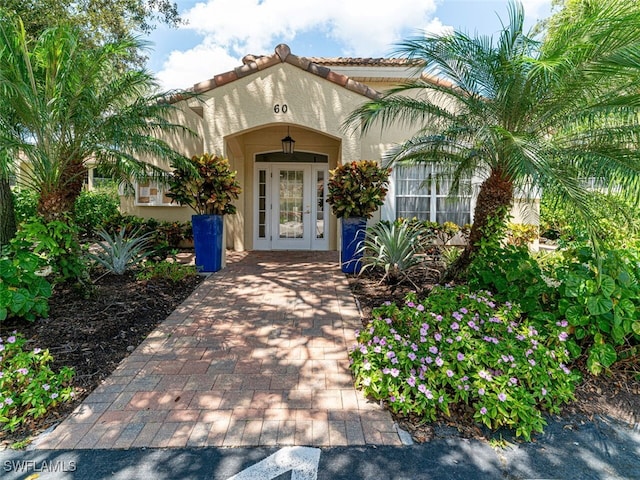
59,199
494,199
7,212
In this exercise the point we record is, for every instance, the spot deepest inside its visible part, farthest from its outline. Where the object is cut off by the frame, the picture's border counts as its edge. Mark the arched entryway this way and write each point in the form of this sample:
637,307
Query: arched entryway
284,203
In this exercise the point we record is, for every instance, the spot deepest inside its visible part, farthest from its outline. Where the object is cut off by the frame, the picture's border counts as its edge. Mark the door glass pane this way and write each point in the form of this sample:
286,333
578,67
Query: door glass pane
262,203
320,204
291,187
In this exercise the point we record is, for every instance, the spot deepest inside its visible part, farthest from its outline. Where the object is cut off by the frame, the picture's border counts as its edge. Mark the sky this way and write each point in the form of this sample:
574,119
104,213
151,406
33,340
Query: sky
218,33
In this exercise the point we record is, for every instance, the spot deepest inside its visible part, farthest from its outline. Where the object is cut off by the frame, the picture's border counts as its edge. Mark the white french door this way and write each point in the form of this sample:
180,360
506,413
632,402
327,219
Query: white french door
290,208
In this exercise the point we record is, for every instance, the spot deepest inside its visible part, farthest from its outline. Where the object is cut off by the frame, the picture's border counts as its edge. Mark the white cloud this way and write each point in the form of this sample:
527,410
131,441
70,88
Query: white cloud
363,26
436,27
183,69
233,28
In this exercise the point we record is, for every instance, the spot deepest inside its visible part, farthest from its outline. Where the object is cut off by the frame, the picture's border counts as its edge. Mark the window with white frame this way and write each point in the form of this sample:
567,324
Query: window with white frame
421,193
152,194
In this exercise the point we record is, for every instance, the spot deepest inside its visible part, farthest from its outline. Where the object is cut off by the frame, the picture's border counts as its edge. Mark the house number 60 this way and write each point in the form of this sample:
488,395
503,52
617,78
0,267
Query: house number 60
277,108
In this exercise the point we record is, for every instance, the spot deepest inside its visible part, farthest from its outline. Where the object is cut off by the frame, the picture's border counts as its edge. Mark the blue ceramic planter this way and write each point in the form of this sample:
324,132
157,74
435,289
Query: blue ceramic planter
207,241
353,233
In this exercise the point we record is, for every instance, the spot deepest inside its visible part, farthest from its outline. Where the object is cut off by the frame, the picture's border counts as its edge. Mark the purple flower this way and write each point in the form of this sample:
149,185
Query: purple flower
388,321
532,362
11,339
460,356
484,374
502,396
455,326
411,304
481,391
383,341
562,323
363,350
391,354
412,356
438,337
439,318
23,371
563,336
414,347
367,381
420,308
377,349
483,411
439,362
428,360
411,381
440,399
449,373
367,366
449,340
513,380
37,350
464,310
544,391
433,349
8,401
394,372
394,360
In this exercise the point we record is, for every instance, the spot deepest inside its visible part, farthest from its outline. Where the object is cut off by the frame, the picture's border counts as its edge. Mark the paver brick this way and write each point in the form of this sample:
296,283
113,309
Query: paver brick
256,356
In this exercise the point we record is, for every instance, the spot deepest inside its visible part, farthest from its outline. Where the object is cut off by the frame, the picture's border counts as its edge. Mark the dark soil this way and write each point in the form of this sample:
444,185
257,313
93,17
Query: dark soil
93,332
615,394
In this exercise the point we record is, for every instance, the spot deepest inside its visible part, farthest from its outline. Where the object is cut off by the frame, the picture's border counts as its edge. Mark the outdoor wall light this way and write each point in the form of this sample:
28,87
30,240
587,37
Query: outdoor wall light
288,144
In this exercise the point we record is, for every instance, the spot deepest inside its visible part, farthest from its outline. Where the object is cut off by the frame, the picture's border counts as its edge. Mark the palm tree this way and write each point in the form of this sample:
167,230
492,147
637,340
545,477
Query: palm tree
68,103
520,113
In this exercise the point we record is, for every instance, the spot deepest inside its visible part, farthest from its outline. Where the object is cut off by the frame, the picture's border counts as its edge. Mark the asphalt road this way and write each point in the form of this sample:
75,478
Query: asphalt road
567,451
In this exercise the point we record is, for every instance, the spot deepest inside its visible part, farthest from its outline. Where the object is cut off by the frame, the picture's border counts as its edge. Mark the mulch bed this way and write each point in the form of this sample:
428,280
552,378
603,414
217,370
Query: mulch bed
92,332
615,395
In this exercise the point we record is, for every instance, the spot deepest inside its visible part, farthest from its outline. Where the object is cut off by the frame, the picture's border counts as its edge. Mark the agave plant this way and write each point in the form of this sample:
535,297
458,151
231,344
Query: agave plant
393,247
117,253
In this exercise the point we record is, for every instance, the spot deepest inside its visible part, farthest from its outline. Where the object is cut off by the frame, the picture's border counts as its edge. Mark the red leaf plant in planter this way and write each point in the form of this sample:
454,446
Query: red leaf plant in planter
209,186
356,190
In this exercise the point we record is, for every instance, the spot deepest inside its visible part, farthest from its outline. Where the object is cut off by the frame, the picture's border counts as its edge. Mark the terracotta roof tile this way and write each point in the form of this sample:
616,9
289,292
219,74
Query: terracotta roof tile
360,61
316,66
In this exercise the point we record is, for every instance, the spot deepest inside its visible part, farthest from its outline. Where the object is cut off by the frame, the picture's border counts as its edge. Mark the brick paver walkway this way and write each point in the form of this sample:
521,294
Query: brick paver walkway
257,356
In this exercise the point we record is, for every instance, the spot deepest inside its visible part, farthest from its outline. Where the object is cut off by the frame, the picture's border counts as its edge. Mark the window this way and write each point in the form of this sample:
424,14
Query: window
423,194
152,194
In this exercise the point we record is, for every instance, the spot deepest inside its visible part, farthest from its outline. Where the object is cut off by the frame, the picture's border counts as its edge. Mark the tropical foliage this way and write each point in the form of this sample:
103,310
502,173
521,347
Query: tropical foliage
119,252
207,185
66,102
392,247
522,113
358,188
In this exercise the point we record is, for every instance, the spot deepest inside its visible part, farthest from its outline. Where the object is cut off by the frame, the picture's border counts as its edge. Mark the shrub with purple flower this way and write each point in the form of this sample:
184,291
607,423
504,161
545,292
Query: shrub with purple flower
497,363
28,385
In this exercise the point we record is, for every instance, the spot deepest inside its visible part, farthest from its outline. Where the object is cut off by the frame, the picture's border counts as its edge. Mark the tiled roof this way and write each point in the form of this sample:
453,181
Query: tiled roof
362,62
253,64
